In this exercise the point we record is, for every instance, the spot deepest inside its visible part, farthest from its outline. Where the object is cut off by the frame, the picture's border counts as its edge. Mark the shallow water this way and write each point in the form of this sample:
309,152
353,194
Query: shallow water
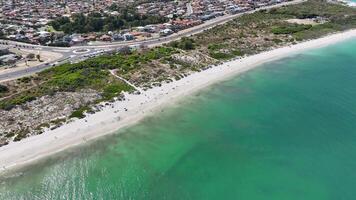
286,130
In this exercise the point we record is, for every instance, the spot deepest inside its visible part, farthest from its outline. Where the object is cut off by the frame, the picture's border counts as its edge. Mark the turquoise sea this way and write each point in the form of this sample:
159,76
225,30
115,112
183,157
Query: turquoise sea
283,131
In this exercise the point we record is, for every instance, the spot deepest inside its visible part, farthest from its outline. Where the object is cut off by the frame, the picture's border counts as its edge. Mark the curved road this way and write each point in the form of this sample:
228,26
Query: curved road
72,54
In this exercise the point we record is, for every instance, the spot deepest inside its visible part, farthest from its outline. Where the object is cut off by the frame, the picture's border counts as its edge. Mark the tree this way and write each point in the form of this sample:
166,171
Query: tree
30,56
56,24
185,44
66,28
114,7
52,37
98,22
188,44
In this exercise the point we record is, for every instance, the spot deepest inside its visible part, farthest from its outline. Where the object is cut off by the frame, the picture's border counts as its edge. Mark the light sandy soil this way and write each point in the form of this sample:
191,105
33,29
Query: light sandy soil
303,21
136,107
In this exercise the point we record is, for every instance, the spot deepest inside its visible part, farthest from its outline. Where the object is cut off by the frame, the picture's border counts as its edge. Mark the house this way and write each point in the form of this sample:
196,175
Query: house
90,38
118,37
67,38
136,34
105,38
44,34
128,36
165,32
4,51
8,59
77,39
140,28
149,29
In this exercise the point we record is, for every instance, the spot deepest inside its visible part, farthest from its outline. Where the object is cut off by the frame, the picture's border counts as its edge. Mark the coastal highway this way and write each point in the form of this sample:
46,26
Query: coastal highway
77,53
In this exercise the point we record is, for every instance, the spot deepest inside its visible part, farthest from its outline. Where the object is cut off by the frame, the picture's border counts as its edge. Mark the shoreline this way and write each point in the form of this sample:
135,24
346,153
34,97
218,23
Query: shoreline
349,3
114,117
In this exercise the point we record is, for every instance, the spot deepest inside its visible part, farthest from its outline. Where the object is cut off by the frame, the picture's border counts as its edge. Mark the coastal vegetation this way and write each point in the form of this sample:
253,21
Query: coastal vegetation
290,28
267,29
80,112
100,79
184,44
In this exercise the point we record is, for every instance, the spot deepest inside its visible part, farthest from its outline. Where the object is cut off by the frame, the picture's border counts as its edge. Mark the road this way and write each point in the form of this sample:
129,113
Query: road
77,53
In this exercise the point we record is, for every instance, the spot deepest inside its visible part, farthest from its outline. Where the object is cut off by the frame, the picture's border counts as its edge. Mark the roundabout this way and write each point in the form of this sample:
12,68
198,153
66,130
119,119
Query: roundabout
81,51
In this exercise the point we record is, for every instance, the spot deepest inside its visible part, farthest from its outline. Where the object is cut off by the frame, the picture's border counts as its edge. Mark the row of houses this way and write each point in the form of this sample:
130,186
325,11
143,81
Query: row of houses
27,20
30,35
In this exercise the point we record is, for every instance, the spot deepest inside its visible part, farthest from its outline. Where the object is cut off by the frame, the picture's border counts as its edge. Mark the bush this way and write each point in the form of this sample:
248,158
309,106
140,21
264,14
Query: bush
79,113
184,43
221,56
30,56
114,89
26,79
3,89
10,134
21,136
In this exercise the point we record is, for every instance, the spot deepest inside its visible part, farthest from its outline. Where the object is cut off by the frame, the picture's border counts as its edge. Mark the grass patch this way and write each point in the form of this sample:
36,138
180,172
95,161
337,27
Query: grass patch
221,56
290,28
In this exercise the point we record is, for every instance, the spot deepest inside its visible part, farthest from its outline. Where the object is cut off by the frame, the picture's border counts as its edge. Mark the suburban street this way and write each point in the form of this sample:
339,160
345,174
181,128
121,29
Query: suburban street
78,53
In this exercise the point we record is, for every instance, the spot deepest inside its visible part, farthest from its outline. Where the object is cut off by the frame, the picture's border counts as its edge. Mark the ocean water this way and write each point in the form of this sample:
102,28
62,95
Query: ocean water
351,2
286,130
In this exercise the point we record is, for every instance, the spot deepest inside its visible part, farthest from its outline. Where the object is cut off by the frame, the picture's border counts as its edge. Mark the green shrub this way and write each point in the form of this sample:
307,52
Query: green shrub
184,43
3,89
9,135
237,53
214,47
114,89
25,79
21,135
79,113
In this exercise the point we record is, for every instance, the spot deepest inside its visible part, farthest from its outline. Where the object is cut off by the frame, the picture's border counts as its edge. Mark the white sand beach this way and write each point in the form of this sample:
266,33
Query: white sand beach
136,107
